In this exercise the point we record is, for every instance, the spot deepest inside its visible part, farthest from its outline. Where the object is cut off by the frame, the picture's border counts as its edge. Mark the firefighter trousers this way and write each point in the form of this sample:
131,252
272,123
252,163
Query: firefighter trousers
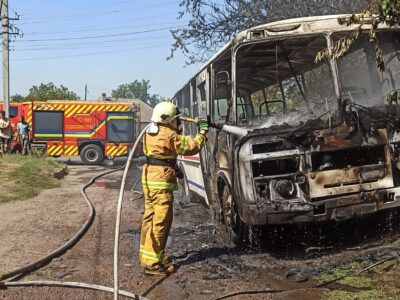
157,221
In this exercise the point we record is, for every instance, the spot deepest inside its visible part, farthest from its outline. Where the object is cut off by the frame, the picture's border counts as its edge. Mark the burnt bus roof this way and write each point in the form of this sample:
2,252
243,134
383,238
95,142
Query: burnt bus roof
287,28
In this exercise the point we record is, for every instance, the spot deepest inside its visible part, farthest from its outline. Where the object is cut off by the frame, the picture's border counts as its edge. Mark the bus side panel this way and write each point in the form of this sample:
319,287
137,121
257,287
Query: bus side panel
192,168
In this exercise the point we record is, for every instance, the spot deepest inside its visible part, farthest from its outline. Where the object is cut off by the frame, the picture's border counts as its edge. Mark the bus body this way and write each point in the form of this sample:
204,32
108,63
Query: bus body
322,141
90,129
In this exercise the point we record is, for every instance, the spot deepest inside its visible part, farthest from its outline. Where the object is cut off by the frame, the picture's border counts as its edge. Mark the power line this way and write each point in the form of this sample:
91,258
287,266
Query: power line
97,6
73,47
119,41
90,54
102,36
103,28
117,11
109,4
117,22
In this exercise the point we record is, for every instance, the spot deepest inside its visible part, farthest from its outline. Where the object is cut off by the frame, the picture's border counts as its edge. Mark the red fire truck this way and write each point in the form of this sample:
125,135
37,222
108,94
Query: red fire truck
93,130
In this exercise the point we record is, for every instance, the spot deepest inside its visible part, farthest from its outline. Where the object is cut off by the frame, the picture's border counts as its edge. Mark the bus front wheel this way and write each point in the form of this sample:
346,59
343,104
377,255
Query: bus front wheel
235,229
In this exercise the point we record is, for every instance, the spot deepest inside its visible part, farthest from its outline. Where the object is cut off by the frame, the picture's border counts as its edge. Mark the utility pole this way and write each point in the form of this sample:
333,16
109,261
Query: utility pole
6,58
6,51
85,92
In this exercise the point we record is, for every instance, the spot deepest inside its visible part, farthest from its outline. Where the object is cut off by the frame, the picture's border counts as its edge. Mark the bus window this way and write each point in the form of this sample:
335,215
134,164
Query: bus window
202,92
220,110
360,79
284,84
186,109
195,109
222,99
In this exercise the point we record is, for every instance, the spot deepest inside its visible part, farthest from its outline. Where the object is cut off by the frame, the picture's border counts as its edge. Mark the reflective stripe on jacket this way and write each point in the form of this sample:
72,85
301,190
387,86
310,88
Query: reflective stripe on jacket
167,144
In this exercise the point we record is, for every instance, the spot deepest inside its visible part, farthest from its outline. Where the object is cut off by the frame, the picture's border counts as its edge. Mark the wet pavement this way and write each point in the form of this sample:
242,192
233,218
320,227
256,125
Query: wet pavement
284,259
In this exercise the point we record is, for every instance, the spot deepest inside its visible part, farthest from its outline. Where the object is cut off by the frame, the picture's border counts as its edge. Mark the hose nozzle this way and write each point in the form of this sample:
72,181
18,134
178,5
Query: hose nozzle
189,120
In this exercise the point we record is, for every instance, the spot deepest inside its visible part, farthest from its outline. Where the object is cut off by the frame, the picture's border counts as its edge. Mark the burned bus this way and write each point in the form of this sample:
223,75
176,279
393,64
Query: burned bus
314,141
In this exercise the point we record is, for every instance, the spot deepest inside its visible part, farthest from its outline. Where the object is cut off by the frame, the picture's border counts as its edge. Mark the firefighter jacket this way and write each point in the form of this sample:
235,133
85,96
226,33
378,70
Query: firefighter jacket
167,144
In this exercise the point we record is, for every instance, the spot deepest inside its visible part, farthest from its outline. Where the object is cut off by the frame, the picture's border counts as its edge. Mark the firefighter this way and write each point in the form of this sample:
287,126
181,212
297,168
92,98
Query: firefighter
162,144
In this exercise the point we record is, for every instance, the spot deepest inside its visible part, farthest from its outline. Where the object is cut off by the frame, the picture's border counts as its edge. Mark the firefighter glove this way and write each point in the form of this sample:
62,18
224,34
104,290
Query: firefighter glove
203,125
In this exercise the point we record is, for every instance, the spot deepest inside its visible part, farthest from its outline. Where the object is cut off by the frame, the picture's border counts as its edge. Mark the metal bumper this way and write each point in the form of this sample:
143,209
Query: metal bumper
338,209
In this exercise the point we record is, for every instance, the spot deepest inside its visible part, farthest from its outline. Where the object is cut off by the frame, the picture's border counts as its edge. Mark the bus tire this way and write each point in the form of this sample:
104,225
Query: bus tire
92,154
236,232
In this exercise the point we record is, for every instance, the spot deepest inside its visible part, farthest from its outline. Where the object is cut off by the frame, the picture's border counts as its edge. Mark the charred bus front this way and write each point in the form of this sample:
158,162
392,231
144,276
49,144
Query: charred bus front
322,139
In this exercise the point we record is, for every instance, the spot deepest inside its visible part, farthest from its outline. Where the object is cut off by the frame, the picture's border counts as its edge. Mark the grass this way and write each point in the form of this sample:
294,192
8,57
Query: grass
24,177
378,283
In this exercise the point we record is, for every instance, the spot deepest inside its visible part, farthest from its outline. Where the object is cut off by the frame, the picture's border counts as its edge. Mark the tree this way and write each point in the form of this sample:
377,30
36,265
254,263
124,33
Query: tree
212,23
48,91
378,12
18,98
139,90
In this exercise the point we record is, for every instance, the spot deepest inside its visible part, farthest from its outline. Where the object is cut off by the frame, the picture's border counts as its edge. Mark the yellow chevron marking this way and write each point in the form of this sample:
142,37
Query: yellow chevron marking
72,113
59,151
53,150
88,108
68,150
112,151
73,150
68,109
82,109
121,151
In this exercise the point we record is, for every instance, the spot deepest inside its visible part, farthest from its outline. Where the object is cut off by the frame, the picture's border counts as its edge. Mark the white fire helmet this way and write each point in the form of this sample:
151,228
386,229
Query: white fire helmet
164,113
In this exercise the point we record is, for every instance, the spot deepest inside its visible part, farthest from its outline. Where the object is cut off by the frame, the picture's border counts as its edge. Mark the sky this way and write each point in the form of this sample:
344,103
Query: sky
100,43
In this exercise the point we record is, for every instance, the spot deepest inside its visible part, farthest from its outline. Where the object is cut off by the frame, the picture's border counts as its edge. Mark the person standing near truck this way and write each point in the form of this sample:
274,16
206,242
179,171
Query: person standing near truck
5,132
162,144
23,135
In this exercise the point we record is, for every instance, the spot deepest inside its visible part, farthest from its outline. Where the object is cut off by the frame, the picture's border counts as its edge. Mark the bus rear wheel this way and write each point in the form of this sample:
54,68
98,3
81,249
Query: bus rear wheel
92,154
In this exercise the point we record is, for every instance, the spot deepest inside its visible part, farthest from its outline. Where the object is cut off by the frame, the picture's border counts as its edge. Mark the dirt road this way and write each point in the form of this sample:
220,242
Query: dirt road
207,269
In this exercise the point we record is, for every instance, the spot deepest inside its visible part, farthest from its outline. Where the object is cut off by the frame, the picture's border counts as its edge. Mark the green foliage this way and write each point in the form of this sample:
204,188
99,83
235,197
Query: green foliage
364,295
212,23
48,91
137,90
17,98
388,13
380,282
24,177
394,97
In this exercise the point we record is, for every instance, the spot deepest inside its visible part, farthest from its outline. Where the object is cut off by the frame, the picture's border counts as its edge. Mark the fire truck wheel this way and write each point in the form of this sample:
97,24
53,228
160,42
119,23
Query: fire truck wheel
92,154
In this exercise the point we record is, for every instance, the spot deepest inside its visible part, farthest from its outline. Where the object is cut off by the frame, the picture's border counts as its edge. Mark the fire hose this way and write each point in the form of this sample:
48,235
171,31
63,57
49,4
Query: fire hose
119,208
78,235
89,220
